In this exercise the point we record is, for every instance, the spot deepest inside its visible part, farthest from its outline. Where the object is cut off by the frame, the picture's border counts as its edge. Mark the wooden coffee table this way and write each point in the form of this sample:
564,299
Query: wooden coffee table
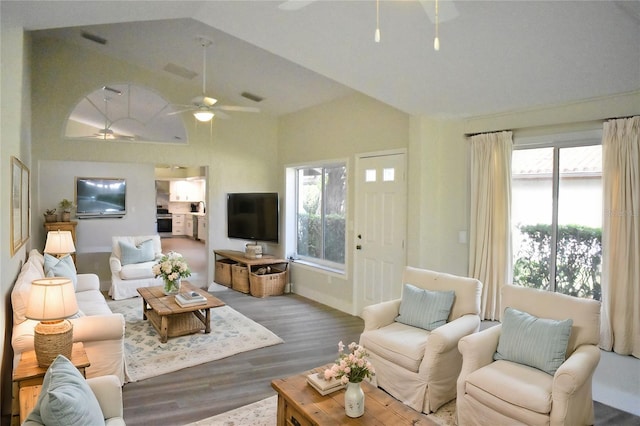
300,404
170,319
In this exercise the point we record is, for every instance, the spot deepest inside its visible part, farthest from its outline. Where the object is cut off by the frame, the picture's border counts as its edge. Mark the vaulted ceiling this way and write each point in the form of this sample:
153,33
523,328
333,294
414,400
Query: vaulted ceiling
495,56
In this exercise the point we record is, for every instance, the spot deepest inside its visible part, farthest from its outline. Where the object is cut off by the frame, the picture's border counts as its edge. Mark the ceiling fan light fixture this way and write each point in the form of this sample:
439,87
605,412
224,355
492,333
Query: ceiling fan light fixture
203,116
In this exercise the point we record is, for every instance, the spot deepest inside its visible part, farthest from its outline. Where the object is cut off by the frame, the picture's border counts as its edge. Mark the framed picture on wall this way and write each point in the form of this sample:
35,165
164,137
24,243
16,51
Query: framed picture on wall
19,205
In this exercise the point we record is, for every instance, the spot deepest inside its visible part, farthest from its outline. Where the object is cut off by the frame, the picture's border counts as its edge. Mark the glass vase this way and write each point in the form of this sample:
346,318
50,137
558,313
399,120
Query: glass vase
172,287
354,400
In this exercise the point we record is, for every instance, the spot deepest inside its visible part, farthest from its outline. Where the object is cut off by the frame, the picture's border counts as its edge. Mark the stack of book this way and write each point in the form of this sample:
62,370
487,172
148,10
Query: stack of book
323,386
190,298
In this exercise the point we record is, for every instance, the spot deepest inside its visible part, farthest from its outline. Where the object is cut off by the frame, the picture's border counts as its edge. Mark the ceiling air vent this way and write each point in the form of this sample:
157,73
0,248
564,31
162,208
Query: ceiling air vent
252,97
180,71
94,38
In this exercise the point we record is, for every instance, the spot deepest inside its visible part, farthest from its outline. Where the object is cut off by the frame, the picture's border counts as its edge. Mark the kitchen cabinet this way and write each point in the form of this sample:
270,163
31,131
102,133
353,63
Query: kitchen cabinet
186,190
178,224
202,228
189,225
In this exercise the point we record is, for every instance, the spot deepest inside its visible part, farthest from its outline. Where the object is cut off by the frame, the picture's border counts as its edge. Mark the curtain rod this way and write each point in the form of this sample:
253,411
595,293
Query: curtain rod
468,135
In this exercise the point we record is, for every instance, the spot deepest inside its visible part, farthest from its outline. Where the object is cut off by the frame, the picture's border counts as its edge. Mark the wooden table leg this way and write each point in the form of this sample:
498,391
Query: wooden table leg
164,329
144,308
207,324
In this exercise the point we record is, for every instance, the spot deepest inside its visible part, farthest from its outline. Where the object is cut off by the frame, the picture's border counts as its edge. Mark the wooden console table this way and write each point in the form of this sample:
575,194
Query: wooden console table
240,257
65,226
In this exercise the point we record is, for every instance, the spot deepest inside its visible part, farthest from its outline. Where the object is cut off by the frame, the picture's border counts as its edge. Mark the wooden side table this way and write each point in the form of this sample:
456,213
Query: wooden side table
65,226
28,375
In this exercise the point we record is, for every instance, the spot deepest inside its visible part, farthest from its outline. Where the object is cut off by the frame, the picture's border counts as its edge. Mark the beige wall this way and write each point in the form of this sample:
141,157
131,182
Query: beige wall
14,141
240,154
341,129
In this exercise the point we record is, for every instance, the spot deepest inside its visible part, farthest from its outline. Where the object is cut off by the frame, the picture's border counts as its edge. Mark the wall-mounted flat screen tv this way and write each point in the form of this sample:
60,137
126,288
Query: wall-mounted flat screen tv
253,216
100,197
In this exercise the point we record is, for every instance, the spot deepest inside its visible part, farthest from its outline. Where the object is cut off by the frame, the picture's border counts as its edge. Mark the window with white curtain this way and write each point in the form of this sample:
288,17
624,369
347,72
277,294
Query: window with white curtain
556,212
320,214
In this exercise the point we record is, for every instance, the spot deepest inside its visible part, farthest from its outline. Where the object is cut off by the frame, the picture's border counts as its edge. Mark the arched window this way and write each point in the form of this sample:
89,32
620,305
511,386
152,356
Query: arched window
125,112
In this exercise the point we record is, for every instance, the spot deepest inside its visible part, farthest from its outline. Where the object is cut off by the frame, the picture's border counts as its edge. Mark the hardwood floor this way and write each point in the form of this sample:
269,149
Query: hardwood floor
311,332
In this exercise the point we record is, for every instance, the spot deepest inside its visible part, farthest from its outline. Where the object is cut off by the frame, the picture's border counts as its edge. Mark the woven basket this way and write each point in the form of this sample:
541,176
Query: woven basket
268,284
240,278
223,272
51,340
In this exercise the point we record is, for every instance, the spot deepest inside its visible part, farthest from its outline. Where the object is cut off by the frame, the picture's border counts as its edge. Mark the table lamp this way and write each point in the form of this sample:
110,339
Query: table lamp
51,301
59,243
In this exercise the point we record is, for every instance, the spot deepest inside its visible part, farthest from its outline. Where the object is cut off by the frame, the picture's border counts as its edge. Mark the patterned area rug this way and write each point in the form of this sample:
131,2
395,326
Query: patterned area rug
263,413
231,333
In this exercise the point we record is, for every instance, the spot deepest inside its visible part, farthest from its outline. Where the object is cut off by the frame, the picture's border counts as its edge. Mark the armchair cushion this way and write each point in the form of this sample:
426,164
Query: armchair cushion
66,398
400,343
425,308
62,267
536,342
142,252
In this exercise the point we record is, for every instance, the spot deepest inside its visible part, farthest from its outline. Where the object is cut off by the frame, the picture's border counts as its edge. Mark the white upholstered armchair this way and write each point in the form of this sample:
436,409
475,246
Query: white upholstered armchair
417,365
530,382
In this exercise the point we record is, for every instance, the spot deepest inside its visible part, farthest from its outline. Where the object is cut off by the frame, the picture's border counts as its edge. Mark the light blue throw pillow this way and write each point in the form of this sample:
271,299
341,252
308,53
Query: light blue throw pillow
63,267
536,342
425,308
143,252
66,398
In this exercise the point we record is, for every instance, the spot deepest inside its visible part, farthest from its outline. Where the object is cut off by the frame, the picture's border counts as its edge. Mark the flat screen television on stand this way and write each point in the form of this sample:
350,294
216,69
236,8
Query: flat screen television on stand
100,197
253,216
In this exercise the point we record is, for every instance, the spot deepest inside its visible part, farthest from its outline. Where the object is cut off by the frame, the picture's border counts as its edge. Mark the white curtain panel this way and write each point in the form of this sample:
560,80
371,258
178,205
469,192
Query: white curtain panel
490,217
620,318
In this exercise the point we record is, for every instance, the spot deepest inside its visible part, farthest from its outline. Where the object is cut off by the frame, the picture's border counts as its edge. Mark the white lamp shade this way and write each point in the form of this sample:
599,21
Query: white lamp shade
203,115
51,299
59,242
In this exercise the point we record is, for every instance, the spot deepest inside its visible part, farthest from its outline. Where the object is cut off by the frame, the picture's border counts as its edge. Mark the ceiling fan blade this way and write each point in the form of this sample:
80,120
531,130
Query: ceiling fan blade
236,108
181,111
295,4
446,10
204,100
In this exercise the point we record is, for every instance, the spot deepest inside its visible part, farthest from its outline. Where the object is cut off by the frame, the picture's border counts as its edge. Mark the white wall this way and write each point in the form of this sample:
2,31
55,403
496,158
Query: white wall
57,181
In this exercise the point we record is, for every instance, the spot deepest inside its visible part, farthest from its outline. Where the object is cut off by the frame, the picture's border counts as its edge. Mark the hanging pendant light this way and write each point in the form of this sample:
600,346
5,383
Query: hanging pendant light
377,34
436,40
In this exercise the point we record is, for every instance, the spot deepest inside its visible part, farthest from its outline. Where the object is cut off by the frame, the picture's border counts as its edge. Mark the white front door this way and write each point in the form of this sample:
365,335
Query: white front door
380,227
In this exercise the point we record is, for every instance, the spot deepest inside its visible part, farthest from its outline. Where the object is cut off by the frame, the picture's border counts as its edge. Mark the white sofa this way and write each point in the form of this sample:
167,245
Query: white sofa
108,392
100,330
127,277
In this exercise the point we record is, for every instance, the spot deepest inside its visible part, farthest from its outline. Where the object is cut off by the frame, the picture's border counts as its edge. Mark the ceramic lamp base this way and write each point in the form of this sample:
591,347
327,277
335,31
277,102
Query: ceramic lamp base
52,339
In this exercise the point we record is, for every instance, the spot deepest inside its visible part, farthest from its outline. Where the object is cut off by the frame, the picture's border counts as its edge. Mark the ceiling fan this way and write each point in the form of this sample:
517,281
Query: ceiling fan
447,10
204,107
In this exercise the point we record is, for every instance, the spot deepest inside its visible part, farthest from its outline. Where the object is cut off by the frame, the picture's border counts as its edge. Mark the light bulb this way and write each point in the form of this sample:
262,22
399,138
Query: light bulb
203,115
436,44
377,36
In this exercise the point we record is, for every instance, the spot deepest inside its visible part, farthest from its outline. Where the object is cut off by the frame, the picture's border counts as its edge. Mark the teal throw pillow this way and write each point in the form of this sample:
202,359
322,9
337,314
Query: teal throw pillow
536,342
66,398
425,308
143,252
63,267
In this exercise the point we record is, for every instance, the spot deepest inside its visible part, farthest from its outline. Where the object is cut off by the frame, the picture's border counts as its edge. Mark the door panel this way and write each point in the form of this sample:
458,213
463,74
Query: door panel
380,230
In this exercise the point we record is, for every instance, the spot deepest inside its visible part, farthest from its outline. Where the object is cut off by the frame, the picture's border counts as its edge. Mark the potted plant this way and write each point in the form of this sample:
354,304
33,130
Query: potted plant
50,215
66,207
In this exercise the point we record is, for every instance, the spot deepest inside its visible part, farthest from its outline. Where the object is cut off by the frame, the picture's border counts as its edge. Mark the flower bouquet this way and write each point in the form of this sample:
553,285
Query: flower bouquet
350,367
172,268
